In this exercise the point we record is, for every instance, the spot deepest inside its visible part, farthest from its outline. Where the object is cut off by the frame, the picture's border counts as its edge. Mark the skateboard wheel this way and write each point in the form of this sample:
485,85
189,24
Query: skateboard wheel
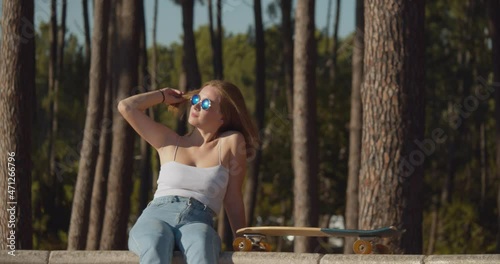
265,246
382,249
242,244
362,247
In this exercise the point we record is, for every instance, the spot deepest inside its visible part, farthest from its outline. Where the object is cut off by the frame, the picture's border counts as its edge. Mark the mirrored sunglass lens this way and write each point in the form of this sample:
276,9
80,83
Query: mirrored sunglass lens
195,99
205,104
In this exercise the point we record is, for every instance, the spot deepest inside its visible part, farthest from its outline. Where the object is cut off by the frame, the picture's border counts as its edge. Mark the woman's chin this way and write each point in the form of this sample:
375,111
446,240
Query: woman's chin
193,121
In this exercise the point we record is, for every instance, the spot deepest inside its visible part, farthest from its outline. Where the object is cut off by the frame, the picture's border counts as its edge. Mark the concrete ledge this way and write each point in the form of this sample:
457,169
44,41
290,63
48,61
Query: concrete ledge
78,256
463,259
269,257
25,256
127,257
372,259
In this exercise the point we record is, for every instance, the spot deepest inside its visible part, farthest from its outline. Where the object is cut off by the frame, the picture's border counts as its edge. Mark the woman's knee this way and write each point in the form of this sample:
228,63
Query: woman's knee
147,235
200,241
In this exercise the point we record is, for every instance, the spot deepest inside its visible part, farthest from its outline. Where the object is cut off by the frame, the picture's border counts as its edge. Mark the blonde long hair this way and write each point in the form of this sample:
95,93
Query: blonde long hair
234,111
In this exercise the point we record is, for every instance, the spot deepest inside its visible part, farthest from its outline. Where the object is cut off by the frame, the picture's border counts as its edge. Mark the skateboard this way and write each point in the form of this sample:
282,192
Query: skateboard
254,238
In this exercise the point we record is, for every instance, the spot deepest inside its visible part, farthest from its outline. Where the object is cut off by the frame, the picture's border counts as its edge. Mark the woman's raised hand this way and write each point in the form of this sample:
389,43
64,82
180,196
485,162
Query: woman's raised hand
172,96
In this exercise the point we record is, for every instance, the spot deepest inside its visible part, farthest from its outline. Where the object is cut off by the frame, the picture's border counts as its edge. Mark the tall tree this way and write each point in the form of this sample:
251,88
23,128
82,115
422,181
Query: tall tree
212,36
52,85
252,182
61,43
154,78
77,235
99,193
327,29
286,36
391,174
494,21
98,200
154,56
189,59
17,89
86,27
144,84
61,33
305,144
216,39
352,204
57,82
86,33
333,64
52,195
57,34
117,207
219,72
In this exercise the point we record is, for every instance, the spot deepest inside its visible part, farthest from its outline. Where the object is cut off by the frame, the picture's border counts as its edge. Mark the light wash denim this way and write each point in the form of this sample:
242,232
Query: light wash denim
170,221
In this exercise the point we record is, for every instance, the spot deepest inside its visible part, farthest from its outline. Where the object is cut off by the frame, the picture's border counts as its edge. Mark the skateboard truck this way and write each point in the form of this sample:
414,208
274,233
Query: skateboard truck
251,242
366,245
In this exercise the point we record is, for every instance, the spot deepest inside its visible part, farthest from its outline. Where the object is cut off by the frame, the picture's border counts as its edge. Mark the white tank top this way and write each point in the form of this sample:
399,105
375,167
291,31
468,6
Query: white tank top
207,185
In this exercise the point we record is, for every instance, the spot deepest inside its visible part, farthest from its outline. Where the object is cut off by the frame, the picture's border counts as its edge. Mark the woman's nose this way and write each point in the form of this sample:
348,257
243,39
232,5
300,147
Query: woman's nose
197,106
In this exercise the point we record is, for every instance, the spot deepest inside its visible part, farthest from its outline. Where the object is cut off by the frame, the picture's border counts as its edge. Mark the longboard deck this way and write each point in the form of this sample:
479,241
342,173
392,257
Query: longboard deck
318,232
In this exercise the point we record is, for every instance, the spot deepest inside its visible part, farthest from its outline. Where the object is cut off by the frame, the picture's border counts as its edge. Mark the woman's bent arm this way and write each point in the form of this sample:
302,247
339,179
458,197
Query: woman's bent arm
132,109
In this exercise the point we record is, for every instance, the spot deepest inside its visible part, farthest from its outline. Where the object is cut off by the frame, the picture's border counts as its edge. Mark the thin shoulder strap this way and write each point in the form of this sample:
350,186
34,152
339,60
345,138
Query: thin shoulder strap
220,157
176,146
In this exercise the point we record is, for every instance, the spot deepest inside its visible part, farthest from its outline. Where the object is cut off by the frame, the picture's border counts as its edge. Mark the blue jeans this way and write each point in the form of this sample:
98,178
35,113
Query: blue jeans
173,220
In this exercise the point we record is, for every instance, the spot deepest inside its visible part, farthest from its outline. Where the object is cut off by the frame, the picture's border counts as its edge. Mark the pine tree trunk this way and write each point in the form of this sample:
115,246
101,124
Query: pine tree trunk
77,235
219,74
17,89
61,40
286,35
154,71
52,81
145,84
101,176
212,37
86,34
189,59
333,65
352,203
117,209
60,31
86,27
252,181
104,158
216,39
327,30
391,174
61,43
305,157
154,84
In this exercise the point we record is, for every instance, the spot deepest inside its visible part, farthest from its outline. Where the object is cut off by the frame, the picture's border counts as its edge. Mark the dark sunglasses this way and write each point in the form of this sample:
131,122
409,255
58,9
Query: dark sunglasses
205,103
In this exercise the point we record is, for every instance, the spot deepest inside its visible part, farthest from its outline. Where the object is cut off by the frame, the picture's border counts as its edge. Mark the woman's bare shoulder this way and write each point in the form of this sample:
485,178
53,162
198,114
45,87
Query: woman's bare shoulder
166,152
233,146
232,135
